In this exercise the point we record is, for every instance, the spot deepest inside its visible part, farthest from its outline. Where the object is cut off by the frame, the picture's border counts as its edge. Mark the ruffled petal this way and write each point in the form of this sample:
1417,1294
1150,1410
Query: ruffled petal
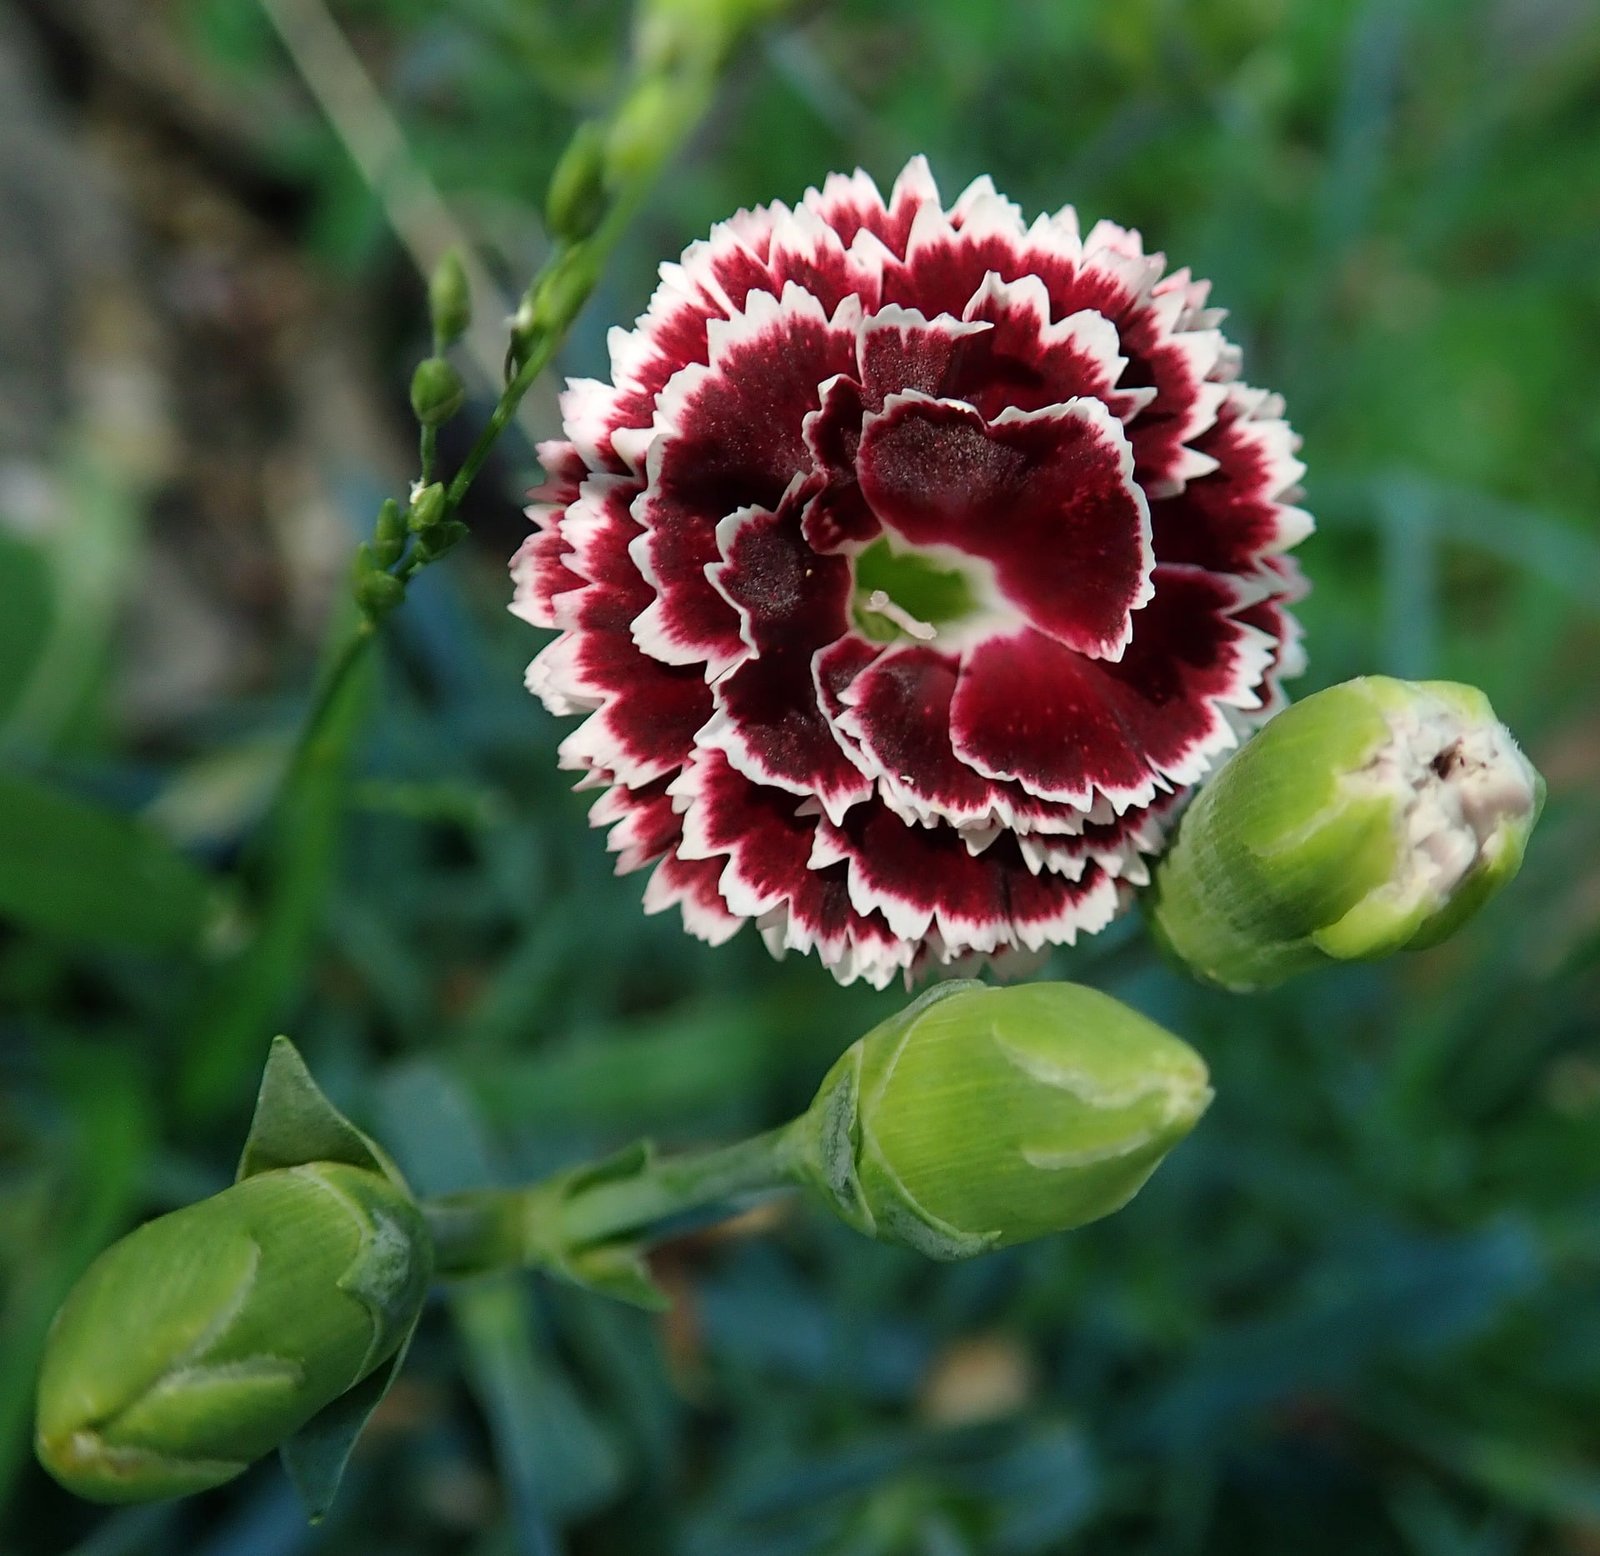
1045,499
729,435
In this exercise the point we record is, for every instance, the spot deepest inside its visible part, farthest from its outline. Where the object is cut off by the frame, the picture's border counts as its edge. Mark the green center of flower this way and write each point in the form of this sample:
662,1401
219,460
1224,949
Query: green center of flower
906,594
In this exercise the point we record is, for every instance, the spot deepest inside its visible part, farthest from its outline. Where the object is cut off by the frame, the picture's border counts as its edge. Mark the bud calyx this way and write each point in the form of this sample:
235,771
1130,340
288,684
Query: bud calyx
980,1117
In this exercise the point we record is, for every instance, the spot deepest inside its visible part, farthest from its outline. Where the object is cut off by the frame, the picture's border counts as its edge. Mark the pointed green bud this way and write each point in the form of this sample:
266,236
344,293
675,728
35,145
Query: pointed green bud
1376,816
979,1117
437,392
427,509
449,300
558,295
388,534
576,201
651,121
208,1337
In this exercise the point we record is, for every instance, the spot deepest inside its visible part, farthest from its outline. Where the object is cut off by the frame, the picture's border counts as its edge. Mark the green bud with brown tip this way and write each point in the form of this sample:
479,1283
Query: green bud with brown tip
979,1117
1373,817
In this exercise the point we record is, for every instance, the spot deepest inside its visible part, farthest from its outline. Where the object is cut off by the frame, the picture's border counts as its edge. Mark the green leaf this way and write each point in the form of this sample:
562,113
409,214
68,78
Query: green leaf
75,869
27,612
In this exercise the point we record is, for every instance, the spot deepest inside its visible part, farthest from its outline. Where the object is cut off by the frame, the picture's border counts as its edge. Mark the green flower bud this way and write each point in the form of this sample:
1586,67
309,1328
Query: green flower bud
427,509
207,1337
437,392
673,33
449,301
980,1117
576,200
379,593
648,125
558,294
1376,816
388,535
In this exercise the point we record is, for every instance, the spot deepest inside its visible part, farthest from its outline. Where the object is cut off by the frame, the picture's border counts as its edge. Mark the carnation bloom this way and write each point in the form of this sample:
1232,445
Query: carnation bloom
910,569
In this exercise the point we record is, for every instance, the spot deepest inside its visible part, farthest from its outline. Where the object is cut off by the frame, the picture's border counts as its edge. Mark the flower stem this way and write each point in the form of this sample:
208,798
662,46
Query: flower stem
669,100
545,1223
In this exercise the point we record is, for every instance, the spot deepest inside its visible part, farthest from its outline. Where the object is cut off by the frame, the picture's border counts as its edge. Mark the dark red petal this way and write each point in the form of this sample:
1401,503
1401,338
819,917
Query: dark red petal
925,879
852,205
564,472
1030,709
833,670
539,572
758,828
944,266
762,848
900,351
1025,360
648,713
1191,656
1228,520
644,823
807,251
1045,498
694,887
1175,365
1064,726
791,603
838,517
899,713
731,437
787,596
710,282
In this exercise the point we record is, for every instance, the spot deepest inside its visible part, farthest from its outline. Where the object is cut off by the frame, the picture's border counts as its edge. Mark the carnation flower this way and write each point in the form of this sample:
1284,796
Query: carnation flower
910,569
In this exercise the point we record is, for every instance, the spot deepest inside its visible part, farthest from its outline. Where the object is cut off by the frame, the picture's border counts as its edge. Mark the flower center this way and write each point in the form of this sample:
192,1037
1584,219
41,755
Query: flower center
907,594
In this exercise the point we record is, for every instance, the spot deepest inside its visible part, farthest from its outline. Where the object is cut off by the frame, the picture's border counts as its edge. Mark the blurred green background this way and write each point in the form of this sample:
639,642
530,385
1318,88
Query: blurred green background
1358,1312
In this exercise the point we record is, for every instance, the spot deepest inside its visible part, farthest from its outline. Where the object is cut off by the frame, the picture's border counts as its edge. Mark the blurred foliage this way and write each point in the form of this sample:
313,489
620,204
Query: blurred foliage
1358,1312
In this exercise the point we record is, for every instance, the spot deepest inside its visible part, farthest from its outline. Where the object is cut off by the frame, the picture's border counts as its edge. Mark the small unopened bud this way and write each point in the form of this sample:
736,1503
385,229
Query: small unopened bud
560,292
672,34
980,1117
437,392
576,200
388,534
449,301
648,125
207,1337
379,593
1376,816
427,509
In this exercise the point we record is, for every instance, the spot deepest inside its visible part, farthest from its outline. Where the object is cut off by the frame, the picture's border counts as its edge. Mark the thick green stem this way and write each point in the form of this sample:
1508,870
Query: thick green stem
547,1222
